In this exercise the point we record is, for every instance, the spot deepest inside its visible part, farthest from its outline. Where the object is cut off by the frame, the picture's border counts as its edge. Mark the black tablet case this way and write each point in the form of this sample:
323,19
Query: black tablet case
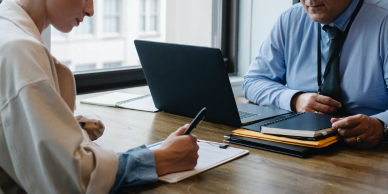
292,150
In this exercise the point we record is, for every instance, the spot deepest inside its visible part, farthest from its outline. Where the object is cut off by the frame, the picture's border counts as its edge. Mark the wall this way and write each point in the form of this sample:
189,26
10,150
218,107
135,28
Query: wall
257,18
188,22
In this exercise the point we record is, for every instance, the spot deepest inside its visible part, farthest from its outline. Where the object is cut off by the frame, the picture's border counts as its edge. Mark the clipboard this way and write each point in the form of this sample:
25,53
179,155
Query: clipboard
210,156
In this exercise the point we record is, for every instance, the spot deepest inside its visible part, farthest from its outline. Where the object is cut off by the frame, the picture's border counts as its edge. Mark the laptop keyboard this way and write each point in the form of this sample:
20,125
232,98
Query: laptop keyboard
244,115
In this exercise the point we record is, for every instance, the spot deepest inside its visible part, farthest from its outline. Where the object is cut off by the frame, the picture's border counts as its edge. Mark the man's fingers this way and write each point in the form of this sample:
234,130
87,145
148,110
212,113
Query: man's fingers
350,141
308,109
324,108
348,122
333,120
349,126
328,101
350,132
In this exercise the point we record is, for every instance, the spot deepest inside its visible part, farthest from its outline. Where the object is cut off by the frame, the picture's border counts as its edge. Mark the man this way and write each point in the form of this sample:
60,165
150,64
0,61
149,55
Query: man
285,72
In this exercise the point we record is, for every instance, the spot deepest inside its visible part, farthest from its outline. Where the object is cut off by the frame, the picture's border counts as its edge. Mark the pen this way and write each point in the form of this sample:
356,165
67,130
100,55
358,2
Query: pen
82,124
196,121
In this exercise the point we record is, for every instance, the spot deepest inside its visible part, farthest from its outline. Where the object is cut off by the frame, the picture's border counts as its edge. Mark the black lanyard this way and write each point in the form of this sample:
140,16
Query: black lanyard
337,49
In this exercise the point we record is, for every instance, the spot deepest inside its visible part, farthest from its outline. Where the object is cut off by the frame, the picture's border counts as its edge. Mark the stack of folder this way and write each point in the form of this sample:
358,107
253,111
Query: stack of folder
296,134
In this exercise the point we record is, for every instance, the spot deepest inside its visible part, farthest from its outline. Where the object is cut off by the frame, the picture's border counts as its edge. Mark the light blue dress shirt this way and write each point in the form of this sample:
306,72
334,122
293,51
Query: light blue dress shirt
136,167
287,60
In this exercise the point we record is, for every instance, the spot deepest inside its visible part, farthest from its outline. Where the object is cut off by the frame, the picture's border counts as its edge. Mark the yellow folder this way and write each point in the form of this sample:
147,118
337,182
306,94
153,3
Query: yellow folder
314,144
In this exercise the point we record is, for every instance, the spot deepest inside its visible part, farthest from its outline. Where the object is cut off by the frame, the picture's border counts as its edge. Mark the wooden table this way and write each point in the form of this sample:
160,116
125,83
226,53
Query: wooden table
341,170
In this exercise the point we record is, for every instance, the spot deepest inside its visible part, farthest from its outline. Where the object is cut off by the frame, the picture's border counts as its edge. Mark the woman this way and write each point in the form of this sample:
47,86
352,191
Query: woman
42,147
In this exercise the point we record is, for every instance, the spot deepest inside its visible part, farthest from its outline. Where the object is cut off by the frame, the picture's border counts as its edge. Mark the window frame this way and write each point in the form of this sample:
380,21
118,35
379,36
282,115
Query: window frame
119,16
63,37
226,38
109,79
229,35
147,20
82,66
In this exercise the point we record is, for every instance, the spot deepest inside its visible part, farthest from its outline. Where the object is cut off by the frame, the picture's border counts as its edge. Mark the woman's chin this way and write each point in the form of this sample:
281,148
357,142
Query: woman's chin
65,29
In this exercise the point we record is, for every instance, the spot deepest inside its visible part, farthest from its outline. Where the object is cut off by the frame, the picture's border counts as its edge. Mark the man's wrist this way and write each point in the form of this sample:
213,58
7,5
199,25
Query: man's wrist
161,166
385,131
294,99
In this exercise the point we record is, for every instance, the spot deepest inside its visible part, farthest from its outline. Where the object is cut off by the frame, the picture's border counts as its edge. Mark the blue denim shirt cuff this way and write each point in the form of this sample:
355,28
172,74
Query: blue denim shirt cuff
136,167
382,117
285,99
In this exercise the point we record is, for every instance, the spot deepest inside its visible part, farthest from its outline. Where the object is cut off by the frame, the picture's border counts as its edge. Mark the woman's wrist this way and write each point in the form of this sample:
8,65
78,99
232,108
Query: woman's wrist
161,163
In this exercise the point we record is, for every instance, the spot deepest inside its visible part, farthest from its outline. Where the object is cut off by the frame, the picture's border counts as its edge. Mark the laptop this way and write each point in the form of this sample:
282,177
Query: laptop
184,79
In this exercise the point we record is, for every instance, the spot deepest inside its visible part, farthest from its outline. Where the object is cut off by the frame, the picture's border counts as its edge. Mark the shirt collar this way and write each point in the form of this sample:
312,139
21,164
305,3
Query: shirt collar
342,21
9,10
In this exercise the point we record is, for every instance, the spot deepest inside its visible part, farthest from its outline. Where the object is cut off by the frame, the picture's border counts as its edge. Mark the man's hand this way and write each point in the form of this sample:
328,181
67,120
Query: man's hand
177,153
311,102
369,129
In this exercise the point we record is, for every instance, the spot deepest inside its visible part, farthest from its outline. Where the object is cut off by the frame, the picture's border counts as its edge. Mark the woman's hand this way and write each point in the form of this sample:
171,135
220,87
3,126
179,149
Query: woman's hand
87,141
94,130
93,124
177,153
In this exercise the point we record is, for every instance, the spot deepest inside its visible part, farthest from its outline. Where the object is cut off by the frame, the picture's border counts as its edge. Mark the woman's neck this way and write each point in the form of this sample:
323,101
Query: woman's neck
36,9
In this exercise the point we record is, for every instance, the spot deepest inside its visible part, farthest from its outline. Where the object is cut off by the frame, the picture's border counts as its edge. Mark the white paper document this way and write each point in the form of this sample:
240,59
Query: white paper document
210,156
124,100
146,104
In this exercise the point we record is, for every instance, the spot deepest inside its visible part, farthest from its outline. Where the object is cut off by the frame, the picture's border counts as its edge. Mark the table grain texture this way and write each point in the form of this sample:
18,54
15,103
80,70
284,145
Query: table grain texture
340,170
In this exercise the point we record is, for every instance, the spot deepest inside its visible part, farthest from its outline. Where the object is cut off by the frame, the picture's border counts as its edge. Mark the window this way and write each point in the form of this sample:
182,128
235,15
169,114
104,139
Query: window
142,18
153,24
111,16
85,67
112,64
67,63
103,45
149,16
55,32
86,27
